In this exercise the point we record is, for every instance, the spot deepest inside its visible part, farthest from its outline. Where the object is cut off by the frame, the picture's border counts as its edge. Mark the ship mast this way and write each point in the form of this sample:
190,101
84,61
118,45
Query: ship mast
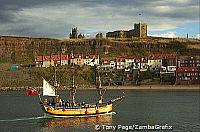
73,92
55,79
100,92
56,84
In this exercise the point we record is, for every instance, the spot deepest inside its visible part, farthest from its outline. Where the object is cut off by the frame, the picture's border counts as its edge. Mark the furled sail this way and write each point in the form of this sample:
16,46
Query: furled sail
48,90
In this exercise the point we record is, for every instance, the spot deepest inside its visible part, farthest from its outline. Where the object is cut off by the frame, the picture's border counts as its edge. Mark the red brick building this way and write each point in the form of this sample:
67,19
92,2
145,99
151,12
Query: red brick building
187,75
189,61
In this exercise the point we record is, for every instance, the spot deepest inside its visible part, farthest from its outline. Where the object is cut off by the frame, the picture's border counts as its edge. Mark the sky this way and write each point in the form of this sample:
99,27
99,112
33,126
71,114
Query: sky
55,18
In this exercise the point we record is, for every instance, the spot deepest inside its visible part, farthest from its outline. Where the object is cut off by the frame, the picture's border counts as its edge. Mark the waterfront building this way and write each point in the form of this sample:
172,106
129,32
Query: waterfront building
129,62
154,63
120,63
169,62
38,61
91,60
47,61
189,61
77,59
53,60
112,64
136,64
105,64
187,75
59,60
144,64
56,59
64,60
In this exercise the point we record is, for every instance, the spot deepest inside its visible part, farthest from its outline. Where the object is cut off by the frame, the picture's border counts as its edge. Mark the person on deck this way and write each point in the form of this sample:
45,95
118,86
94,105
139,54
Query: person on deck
45,102
60,102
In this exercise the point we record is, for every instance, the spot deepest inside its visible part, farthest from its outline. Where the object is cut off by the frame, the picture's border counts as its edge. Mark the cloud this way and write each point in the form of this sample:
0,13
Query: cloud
198,36
56,18
165,35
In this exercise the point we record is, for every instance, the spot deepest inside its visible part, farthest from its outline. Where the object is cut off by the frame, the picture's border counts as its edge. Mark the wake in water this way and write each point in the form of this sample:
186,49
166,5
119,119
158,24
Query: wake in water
24,119
50,116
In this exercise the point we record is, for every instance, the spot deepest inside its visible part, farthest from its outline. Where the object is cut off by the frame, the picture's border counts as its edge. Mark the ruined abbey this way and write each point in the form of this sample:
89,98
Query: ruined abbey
74,34
140,30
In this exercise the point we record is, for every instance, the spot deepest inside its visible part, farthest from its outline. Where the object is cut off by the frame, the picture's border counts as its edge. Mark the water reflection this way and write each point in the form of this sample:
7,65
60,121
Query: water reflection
77,122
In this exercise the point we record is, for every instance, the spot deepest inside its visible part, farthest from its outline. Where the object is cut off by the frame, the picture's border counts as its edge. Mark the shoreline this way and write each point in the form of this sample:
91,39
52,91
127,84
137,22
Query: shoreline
159,87
141,87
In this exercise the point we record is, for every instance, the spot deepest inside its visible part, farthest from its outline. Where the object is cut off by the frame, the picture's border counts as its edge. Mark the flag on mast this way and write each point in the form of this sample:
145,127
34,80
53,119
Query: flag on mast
32,92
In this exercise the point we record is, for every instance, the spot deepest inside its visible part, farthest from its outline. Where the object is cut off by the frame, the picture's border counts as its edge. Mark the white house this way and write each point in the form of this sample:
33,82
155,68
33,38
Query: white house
91,60
77,59
120,63
64,60
129,62
112,64
144,64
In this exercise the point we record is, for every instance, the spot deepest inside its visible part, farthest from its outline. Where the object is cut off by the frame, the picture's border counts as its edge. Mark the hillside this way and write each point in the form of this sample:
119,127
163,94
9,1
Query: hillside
23,49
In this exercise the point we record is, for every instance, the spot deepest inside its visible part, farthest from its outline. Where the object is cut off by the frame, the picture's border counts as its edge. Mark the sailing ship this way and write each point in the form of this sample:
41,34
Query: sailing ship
73,108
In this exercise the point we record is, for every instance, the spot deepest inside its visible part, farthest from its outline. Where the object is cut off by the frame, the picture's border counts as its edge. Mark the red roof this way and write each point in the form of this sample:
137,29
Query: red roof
106,62
56,57
64,57
46,58
186,69
93,56
38,58
162,56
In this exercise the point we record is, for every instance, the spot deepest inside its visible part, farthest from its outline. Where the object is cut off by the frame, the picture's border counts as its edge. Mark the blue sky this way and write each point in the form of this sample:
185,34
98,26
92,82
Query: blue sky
192,29
51,18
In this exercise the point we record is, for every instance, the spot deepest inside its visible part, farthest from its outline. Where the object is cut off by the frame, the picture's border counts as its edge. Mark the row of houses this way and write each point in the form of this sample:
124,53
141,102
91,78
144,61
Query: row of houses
185,69
164,62
56,60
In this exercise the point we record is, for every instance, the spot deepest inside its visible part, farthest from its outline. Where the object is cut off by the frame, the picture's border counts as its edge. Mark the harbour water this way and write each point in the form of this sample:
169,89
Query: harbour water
179,109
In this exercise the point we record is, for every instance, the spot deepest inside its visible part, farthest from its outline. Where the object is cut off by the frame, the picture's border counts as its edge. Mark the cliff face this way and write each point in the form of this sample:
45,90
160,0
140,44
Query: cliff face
23,49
